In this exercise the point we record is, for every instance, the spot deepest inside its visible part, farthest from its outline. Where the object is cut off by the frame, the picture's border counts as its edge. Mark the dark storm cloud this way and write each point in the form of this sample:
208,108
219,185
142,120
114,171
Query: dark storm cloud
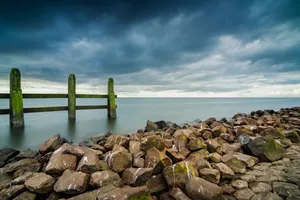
97,39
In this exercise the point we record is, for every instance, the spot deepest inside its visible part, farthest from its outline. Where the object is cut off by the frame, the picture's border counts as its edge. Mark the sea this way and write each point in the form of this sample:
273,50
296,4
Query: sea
132,114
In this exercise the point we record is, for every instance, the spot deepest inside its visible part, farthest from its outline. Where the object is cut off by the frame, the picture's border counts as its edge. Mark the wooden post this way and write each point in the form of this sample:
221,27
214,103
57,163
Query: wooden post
72,97
111,103
16,100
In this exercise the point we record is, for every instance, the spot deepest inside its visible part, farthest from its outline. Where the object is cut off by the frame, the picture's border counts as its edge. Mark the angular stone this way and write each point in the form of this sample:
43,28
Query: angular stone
218,130
77,151
285,189
11,192
72,182
6,154
198,188
118,160
89,163
207,135
196,144
239,184
214,146
107,177
157,183
211,175
244,194
174,155
134,147
177,194
250,161
166,196
28,168
137,176
234,163
260,187
151,126
230,148
249,178
185,132
40,183
226,172
152,141
59,162
25,154
227,137
138,162
12,167
26,196
227,189
215,157
266,149
51,144
177,174
157,160
116,139
267,196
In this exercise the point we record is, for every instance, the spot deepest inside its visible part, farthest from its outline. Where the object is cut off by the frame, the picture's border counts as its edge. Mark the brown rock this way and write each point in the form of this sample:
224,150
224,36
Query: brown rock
12,167
157,160
89,163
59,162
72,182
234,163
157,183
11,192
244,194
118,160
177,174
207,135
211,175
26,196
226,172
218,130
229,148
40,183
181,142
134,146
250,161
215,157
174,155
239,184
35,167
166,196
196,144
51,144
227,137
260,187
177,194
108,177
73,150
185,132
138,162
214,146
198,188
152,141
137,176
116,139
227,189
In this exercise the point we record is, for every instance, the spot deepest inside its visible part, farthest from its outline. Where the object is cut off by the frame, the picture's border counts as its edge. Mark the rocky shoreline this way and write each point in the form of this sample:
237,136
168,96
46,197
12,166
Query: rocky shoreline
251,156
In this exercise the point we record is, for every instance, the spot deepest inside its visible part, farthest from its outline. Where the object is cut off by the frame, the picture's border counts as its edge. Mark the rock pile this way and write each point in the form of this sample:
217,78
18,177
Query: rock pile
255,156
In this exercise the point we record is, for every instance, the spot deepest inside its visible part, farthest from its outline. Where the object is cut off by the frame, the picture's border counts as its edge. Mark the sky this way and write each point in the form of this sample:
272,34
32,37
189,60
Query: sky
158,48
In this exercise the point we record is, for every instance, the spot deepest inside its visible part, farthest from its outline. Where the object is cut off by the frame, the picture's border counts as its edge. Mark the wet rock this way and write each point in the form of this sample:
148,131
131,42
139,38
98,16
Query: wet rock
11,192
116,139
151,126
244,194
177,174
234,163
157,183
40,183
152,141
198,188
177,194
118,160
196,144
285,189
72,182
12,167
260,187
157,160
226,172
239,184
26,196
102,178
218,130
266,149
211,175
25,154
51,144
6,154
89,163
59,162
137,176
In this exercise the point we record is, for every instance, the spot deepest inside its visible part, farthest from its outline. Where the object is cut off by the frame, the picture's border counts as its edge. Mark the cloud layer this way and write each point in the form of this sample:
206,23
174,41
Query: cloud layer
169,48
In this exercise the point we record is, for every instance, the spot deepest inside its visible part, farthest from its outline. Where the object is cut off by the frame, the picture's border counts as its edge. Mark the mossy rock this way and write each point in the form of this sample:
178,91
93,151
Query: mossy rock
140,197
273,151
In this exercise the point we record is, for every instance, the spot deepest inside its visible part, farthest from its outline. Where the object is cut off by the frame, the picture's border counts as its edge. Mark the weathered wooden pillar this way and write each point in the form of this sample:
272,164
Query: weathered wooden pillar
111,103
72,97
16,100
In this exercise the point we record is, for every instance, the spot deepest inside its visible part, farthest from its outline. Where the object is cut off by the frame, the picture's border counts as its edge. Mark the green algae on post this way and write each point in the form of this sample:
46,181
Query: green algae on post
72,97
111,104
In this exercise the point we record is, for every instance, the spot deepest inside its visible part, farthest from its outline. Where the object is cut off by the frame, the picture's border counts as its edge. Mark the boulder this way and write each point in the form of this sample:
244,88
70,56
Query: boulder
151,126
157,160
207,135
185,132
260,187
226,172
215,157
285,189
12,167
118,159
267,196
227,137
244,194
177,194
250,161
26,196
107,177
40,183
174,155
25,154
214,146
196,144
72,182
198,188
11,192
134,147
218,130
51,144
229,148
152,141
157,183
116,139
211,175
239,184
89,163
6,154
234,163
266,149
177,174
137,176
292,135
35,167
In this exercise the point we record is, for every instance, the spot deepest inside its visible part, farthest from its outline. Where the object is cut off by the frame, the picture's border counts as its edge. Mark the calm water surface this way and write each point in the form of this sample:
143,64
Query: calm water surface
132,115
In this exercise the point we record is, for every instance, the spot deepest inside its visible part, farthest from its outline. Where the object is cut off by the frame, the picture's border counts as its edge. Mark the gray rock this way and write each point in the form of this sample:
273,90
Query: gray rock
285,189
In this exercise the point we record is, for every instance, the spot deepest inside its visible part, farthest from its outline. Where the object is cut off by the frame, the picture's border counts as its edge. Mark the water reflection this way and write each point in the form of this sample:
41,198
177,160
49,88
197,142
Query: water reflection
16,136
